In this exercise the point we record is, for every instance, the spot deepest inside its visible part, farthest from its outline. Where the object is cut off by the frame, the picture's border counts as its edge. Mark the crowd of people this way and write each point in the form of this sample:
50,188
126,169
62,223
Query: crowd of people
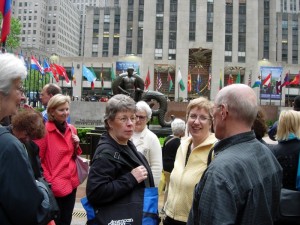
217,167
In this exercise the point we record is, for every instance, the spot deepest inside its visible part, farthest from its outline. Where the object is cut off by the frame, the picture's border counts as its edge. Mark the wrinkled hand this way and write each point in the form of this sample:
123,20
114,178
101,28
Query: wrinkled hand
75,140
140,173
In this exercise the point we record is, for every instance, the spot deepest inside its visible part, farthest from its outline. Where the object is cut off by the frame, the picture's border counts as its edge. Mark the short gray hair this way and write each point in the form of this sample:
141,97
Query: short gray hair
56,101
118,103
178,127
11,68
240,100
143,106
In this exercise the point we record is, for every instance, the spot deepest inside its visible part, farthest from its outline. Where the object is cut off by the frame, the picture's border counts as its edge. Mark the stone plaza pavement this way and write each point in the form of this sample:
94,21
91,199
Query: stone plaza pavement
79,216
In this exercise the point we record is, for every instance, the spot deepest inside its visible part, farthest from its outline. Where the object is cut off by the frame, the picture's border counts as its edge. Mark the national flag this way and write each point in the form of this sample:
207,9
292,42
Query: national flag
138,71
198,83
278,86
238,78
189,83
147,80
35,65
257,83
170,81
180,81
61,71
158,82
55,74
267,80
112,73
5,10
93,72
73,75
296,80
209,82
88,74
285,80
221,81
49,70
230,79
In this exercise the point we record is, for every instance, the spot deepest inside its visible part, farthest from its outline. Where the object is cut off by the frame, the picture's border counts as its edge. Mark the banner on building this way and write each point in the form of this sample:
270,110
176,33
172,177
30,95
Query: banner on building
121,67
270,76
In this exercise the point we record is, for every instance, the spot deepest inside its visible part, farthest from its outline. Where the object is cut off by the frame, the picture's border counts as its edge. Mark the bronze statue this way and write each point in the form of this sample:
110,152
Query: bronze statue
131,84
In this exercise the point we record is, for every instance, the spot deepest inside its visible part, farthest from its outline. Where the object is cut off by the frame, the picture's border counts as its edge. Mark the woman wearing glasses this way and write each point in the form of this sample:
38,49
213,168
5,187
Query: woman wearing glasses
118,172
146,141
190,162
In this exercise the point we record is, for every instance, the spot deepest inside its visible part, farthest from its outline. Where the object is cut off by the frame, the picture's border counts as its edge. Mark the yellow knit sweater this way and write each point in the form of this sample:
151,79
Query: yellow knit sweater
184,178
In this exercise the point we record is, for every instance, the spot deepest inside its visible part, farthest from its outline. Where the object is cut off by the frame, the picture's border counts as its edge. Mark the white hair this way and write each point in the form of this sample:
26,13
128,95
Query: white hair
178,127
11,68
143,106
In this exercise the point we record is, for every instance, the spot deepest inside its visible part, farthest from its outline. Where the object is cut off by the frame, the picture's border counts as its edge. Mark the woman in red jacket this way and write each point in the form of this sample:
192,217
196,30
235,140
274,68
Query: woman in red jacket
57,151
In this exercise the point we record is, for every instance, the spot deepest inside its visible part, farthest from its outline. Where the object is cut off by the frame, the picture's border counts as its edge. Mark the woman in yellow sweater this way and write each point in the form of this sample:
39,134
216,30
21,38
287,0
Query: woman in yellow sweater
190,162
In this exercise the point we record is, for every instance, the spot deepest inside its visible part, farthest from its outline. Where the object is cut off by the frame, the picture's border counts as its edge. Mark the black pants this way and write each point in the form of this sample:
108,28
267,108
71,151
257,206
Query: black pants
66,206
170,221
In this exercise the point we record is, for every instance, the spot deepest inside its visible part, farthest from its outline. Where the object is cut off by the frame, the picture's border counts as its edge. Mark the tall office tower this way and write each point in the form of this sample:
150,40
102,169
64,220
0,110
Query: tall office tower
48,26
81,5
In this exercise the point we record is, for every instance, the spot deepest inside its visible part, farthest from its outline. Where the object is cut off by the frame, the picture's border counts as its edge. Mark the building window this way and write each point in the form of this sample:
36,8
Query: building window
209,20
242,32
116,46
158,54
129,47
266,47
284,55
192,24
295,39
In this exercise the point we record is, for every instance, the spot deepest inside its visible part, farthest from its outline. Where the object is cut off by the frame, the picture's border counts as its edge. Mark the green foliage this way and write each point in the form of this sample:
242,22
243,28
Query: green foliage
161,140
81,131
13,39
154,121
35,81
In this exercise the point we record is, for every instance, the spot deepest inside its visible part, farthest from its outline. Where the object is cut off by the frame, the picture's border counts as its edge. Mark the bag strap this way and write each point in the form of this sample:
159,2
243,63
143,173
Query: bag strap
298,175
123,159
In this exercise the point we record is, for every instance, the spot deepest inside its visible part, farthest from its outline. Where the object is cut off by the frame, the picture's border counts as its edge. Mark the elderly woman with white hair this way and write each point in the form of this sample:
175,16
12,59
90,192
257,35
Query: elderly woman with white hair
20,197
169,151
146,141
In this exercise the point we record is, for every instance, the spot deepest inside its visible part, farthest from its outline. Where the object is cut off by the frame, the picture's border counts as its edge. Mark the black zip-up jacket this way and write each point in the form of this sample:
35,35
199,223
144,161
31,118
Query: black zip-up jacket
110,177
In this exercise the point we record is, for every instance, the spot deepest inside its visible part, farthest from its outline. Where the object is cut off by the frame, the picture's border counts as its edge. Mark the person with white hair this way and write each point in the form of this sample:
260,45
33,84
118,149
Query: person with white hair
146,141
20,196
169,151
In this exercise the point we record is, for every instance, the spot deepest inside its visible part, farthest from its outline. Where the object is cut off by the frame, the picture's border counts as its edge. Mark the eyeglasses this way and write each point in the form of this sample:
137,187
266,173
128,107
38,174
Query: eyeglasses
126,119
201,118
141,118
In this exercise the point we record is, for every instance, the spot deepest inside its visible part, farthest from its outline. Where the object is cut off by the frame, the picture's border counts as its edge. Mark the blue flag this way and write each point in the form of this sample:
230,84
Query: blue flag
88,74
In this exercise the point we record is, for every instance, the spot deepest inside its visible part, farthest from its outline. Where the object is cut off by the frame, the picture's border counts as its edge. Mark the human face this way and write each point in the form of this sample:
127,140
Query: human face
141,121
61,113
11,102
217,120
45,97
122,126
199,124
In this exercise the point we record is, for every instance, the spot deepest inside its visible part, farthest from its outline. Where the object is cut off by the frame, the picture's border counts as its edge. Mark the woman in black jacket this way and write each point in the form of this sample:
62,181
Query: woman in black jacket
287,150
118,173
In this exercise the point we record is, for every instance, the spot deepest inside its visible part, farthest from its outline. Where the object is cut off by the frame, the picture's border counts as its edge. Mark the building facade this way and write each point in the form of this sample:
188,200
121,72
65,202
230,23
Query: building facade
48,27
210,43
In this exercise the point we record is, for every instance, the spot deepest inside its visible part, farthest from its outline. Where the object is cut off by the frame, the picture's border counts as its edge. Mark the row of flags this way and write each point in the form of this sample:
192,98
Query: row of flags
56,70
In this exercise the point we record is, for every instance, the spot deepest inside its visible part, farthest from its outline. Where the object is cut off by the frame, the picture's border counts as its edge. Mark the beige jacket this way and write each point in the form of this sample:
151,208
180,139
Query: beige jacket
184,178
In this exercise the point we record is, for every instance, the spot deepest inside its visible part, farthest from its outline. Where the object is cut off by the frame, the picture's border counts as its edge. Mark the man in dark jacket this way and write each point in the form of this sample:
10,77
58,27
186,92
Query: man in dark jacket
242,183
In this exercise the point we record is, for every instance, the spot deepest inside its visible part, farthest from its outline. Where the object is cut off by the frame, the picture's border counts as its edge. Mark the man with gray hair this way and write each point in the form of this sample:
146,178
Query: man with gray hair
48,91
243,180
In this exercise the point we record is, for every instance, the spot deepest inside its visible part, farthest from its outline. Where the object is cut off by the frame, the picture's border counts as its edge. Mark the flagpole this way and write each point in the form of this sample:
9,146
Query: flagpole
270,88
289,89
260,85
